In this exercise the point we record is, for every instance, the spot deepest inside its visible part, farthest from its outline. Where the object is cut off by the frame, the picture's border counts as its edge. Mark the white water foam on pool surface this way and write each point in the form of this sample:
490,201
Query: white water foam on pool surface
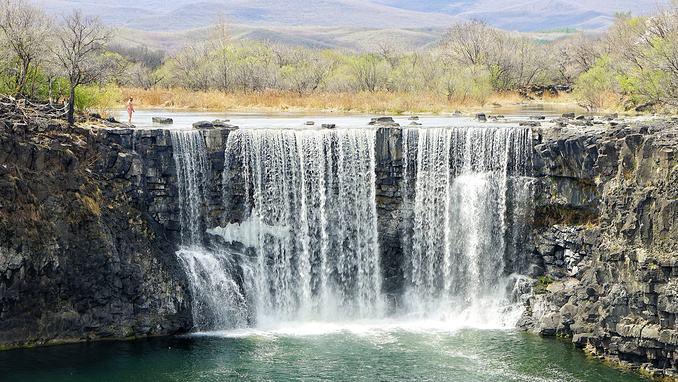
443,323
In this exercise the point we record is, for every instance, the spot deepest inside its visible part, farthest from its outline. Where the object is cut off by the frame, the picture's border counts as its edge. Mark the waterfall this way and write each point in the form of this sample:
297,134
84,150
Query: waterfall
300,237
217,299
192,166
312,221
458,186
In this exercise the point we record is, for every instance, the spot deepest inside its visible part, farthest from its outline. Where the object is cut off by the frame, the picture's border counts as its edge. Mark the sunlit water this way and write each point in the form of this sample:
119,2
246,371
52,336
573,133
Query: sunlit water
355,352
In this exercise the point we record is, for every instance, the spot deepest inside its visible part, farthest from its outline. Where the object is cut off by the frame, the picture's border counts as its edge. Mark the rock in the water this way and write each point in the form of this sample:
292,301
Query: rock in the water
383,121
415,123
309,123
328,125
223,123
529,123
203,125
413,118
162,120
569,115
481,117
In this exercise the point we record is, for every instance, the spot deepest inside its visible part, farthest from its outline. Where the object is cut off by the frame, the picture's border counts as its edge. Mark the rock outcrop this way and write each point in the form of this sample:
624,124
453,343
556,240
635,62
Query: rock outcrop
606,242
80,257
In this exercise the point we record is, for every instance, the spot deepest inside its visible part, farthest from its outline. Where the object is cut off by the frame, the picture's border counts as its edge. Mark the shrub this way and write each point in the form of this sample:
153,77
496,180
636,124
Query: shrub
597,86
96,98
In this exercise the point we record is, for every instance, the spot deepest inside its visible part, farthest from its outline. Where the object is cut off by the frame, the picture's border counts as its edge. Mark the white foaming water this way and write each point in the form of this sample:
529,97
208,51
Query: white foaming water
313,222
456,185
249,232
217,299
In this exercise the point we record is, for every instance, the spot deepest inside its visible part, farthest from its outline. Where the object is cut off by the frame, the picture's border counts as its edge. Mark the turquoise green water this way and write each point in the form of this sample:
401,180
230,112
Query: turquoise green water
397,355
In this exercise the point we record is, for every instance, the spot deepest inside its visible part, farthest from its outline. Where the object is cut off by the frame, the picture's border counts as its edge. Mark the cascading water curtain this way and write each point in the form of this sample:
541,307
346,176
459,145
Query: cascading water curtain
192,167
312,222
456,185
217,300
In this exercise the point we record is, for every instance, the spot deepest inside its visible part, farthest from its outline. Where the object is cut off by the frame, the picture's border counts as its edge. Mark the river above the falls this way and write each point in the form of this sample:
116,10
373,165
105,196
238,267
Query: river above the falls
143,119
315,352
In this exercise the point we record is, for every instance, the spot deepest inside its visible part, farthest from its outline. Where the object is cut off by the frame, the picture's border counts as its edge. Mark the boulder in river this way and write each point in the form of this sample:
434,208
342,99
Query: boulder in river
568,115
222,123
203,125
163,120
383,121
328,125
481,117
309,123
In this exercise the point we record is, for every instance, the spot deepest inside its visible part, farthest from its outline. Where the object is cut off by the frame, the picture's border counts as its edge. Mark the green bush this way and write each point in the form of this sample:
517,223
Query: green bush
96,98
542,284
467,84
596,86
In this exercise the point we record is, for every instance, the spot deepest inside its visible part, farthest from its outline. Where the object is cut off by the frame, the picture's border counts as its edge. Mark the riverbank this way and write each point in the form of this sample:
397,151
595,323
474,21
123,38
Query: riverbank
362,102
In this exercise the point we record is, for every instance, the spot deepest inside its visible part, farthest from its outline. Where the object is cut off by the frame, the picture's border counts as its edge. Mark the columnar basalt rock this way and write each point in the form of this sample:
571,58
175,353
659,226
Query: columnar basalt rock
389,175
81,255
606,242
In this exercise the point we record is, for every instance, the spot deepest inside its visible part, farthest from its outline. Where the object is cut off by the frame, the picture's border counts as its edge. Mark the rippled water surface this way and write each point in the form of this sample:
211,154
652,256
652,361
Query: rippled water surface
316,352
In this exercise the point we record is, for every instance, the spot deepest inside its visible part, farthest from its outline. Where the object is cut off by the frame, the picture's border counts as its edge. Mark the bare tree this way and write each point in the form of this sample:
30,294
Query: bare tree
191,67
81,40
307,71
141,76
222,60
388,49
468,43
26,31
573,56
370,72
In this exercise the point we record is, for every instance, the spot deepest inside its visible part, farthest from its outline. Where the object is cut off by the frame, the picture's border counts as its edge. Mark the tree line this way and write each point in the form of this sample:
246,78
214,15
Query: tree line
633,65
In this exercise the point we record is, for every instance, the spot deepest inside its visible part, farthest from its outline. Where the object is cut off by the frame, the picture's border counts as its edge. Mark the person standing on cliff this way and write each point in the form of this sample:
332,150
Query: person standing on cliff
130,110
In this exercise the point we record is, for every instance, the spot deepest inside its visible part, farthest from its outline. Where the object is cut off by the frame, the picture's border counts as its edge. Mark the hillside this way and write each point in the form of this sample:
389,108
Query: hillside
523,15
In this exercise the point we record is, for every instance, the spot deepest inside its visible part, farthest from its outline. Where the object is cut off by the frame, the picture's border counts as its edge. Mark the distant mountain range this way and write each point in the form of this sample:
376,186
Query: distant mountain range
327,22
521,15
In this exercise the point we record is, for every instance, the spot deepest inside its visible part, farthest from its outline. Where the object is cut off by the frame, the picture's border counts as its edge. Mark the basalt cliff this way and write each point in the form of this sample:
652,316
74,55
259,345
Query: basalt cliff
90,226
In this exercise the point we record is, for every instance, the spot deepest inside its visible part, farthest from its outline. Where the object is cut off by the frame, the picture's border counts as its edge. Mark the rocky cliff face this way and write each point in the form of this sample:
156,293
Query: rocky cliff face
606,242
83,253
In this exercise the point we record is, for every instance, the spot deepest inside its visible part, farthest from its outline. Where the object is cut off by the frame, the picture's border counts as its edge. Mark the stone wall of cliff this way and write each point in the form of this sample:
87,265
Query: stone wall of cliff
88,220
606,242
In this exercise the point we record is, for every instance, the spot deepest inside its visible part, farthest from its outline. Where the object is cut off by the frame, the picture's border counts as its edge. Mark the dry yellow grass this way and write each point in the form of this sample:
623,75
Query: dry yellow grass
362,102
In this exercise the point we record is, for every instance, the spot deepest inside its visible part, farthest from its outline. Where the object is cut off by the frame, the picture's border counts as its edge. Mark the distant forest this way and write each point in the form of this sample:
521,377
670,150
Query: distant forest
633,66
